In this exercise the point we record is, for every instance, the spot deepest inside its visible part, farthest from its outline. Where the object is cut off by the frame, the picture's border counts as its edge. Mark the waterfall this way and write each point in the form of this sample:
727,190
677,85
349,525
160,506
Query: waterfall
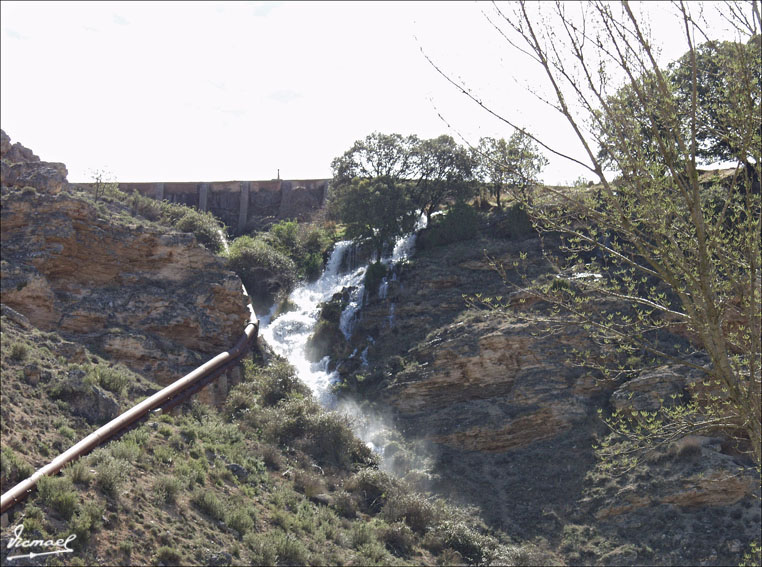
287,335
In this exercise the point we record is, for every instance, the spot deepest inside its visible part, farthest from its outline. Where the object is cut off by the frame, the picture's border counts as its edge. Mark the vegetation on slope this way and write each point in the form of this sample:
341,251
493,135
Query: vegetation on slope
269,479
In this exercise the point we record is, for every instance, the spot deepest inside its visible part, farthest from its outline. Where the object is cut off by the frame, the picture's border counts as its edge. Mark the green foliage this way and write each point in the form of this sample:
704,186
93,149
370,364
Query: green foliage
471,545
413,509
513,165
166,488
330,441
375,272
85,521
59,494
204,226
19,352
209,504
109,378
79,472
263,270
168,555
13,467
460,222
377,209
111,473
240,520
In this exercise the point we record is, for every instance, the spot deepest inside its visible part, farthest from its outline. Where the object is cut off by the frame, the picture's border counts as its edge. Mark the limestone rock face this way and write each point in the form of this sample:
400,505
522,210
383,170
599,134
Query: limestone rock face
152,299
510,421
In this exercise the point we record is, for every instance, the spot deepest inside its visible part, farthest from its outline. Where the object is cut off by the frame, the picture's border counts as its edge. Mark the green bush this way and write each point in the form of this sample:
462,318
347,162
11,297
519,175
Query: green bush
13,467
209,504
85,521
167,488
240,520
263,270
373,276
372,487
112,379
168,556
289,550
277,381
330,441
472,546
19,352
398,538
263,549
203,226
111,474
79,472
460,222
413,509
59,494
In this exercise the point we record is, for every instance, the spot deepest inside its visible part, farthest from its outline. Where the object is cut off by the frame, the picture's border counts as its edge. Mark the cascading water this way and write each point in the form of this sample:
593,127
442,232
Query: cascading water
287,335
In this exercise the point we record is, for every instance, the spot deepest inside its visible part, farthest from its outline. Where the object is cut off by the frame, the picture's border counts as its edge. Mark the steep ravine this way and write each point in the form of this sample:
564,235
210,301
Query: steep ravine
510,423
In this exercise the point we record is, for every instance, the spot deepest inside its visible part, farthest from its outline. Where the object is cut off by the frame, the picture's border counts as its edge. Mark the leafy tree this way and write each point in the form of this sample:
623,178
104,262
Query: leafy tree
443,170
378,155
681,253
377,209
512,165
716,68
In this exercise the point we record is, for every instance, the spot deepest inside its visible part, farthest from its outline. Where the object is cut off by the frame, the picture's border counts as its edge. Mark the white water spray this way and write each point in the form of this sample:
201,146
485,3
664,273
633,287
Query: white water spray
288,334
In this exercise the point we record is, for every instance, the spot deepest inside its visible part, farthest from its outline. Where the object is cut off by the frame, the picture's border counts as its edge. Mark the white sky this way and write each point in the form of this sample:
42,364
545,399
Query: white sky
219,91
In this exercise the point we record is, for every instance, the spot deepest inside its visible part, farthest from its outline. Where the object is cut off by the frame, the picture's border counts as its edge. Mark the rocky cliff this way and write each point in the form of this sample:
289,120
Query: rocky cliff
134,292
510,423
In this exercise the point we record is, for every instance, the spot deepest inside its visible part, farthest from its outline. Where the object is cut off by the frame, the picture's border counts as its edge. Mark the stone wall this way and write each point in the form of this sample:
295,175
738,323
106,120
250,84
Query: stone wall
241,205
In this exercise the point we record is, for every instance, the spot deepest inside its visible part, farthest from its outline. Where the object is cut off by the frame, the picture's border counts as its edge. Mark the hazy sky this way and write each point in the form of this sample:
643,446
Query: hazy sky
220,91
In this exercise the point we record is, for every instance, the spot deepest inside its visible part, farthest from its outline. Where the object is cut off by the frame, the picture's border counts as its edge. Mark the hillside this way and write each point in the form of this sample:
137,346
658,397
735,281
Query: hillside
510,423
103,301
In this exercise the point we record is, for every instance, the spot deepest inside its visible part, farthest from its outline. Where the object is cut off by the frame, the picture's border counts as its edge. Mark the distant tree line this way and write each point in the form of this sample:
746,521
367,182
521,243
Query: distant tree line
385,181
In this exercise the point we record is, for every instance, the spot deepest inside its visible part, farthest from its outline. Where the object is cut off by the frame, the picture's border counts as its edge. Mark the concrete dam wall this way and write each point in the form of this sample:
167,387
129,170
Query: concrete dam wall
241,205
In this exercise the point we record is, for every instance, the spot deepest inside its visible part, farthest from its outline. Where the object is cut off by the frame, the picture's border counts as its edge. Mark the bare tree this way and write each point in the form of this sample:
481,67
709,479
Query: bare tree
674,252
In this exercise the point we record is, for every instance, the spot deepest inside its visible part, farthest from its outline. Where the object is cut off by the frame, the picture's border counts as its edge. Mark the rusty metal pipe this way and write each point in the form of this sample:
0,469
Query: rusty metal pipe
102,434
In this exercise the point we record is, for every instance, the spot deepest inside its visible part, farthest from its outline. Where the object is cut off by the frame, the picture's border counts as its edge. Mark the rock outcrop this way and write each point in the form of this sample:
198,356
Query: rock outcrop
510,422
138,294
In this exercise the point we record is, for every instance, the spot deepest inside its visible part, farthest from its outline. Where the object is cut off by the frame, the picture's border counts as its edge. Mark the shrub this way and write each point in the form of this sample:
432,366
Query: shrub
13,467
87,519
473,546
372,487
240,520
373,276
263,549
19,352
264,270
166,488
289,550
111,379
209,504
330,440
125,449
168,555
460,222
203,226
58,493
413,509
110,474
278,381
398,538
289,420
79,473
